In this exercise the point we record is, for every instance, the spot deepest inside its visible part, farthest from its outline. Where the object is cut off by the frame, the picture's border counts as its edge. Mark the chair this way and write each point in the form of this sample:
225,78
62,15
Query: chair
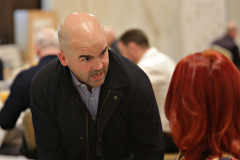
28,130
224,51
170,156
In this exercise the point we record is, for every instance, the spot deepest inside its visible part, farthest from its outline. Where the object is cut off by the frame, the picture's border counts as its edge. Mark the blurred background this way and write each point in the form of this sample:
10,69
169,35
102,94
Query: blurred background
175,27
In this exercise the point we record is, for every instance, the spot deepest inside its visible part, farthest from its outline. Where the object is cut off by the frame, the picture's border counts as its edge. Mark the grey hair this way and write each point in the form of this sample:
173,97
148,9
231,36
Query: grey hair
46,37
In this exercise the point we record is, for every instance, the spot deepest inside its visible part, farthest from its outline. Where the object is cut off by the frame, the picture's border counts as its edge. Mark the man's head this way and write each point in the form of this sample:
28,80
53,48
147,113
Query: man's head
232,29
133,44
84,48
46,42
110,35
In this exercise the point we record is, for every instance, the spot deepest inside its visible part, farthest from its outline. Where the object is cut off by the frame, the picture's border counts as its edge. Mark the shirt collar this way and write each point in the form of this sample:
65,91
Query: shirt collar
148,53
74,80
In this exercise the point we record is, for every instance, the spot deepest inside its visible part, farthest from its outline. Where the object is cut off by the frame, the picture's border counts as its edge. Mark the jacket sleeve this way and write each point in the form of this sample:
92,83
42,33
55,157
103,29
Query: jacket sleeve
146,130
47,132
17,101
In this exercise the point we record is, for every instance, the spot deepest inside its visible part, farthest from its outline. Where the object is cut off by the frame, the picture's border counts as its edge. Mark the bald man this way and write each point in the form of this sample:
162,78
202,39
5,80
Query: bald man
91,103
228,42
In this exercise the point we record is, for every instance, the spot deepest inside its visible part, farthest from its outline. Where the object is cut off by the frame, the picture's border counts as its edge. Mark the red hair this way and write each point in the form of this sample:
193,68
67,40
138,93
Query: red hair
203,106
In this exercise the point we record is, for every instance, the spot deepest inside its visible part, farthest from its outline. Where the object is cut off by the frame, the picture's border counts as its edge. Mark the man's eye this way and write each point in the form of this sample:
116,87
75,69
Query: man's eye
85,59
104,52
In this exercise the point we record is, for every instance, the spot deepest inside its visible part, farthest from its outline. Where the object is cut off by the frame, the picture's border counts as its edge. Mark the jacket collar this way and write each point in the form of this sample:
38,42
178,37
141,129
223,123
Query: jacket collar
47,59
116,76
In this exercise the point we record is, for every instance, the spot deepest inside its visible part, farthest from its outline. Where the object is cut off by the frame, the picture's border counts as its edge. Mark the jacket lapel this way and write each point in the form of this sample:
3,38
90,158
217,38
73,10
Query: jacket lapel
70,93
109,97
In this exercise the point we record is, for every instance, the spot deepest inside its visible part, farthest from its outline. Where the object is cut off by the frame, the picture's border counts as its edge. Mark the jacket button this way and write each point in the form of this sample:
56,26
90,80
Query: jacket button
99,139
81,138
115,97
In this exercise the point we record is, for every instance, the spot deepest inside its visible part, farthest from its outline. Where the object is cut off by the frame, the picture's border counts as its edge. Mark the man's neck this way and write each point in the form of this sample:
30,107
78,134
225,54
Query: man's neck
48,52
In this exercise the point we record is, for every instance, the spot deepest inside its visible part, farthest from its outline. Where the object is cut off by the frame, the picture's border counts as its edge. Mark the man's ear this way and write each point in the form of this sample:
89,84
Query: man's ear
37,50
62,58
132,47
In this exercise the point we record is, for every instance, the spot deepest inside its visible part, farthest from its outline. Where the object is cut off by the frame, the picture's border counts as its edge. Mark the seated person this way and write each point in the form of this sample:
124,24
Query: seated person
159,67
227,44
46,46
111,38
202,106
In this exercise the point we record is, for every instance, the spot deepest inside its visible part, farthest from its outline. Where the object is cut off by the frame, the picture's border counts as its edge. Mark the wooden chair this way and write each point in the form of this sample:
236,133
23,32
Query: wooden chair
224,51
28,130
170,156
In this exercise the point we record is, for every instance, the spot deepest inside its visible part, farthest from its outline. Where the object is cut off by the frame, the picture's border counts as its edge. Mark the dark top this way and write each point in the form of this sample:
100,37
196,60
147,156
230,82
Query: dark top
228,43
127,127
19,98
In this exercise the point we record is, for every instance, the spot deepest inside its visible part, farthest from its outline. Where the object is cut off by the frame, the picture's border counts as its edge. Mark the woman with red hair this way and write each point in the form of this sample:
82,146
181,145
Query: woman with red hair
203,107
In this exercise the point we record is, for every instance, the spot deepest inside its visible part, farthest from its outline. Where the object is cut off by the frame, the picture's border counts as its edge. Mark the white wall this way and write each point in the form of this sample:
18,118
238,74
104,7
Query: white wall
175,27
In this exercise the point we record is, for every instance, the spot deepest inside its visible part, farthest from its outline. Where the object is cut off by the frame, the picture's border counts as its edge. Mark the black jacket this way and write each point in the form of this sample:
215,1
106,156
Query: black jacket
128,124
19,98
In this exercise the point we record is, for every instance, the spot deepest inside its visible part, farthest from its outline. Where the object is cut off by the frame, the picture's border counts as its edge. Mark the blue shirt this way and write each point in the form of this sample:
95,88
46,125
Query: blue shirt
90,99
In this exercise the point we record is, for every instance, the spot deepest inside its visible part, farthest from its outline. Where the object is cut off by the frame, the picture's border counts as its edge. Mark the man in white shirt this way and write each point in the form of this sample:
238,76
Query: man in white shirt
134,45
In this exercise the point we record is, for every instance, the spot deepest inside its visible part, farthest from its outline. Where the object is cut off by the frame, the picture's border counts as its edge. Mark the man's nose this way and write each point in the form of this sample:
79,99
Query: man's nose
98,64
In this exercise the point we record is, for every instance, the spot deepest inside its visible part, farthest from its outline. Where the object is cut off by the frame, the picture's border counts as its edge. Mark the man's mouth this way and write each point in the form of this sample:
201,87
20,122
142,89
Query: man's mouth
97,75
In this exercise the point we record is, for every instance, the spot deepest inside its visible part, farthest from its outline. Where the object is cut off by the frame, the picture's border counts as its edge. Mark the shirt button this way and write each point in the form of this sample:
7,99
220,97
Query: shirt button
93,118
91,98
82,85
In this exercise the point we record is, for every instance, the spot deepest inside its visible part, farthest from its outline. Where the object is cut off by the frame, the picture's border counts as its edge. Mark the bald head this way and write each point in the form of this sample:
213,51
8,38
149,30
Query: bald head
110,34
80,29
232,29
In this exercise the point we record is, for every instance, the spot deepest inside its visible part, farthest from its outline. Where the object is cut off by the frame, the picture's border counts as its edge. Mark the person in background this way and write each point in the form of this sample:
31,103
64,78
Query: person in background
92,103
134,45
111,38
46,46
202,106
228,43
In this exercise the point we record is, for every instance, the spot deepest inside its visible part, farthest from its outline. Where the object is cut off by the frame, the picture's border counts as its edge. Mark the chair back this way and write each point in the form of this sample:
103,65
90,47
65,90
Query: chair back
28,130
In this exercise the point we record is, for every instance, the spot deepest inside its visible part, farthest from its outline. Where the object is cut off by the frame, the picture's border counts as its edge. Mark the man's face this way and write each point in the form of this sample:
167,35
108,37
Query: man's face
89,63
